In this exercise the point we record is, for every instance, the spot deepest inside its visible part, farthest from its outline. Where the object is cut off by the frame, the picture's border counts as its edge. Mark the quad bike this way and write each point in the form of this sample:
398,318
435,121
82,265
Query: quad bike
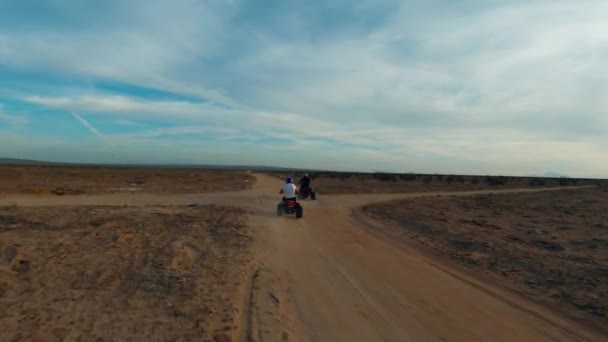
307,192
290,207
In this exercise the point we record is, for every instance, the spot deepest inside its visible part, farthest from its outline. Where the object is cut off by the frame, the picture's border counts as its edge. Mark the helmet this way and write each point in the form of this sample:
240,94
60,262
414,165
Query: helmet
306,174
289,180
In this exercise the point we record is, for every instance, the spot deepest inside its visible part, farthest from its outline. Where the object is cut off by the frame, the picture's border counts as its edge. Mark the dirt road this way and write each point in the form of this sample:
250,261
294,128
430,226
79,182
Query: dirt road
325,278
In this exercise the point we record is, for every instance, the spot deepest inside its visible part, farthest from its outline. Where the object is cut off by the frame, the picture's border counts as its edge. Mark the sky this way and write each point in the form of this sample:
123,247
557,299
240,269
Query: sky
437,86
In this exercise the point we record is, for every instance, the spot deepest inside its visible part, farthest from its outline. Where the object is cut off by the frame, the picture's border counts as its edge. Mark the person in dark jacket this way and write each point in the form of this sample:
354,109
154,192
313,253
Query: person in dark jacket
305,183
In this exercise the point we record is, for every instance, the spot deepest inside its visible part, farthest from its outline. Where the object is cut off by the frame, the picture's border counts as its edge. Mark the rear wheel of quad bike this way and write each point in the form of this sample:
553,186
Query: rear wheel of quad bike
313,196
280,210
299,212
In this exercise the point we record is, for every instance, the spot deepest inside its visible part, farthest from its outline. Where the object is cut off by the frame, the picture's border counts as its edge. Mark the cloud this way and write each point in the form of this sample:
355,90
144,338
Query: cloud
87,125
121,104
126,122
467,85
141,48
14,120
412,148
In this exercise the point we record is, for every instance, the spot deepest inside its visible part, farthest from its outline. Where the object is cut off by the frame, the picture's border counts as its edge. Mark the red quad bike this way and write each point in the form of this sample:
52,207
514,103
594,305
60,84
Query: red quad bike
306,193
290,207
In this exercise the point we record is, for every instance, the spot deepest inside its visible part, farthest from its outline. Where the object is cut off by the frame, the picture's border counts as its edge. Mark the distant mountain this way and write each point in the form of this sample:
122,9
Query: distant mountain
554,175
14,161
550,175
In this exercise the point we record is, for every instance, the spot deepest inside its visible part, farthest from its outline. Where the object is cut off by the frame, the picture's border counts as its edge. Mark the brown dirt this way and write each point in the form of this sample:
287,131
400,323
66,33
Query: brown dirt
101,273
551,246
322,278
366,185
42,180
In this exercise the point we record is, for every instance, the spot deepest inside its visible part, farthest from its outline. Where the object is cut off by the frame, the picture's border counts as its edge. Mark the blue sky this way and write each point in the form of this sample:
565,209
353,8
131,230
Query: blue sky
493,87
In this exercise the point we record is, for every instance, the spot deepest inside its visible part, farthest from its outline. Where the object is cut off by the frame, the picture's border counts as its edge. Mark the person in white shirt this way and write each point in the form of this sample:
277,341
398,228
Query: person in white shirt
289,190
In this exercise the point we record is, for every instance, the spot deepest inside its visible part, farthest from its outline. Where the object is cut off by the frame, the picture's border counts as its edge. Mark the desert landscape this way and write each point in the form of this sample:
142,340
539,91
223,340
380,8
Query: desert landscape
99,273
336,183
552,247
196,254
44,180
151,157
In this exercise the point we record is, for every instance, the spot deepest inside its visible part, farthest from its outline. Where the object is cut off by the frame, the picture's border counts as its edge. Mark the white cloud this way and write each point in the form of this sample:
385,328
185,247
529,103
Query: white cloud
87,125
145,43
506,86
126,122
11,119
412,148
121,105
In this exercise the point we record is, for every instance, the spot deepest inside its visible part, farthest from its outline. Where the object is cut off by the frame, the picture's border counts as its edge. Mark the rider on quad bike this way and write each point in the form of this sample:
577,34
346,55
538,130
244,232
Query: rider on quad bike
305,189
305,183
289,204
289,190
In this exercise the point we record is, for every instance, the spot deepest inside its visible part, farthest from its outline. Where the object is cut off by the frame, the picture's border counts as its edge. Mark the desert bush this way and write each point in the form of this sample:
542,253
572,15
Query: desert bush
536,182
337,175
408,177
496,180
386,177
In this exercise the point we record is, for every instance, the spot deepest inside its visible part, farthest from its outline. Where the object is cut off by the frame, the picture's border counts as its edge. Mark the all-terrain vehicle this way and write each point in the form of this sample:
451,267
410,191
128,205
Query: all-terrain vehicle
306,193
290,207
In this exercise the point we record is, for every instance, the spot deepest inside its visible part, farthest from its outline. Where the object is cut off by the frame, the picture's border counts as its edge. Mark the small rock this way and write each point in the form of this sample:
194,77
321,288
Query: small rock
20,265
59,192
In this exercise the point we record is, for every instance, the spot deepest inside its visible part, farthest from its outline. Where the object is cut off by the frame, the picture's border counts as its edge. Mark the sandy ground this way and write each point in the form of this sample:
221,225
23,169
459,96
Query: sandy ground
553,247
57,180
331,280
326,278
114,273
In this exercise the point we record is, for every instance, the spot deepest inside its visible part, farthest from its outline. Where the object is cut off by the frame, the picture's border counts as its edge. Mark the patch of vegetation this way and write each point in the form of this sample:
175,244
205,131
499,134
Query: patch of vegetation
385,177
536,182
496,180
408,177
